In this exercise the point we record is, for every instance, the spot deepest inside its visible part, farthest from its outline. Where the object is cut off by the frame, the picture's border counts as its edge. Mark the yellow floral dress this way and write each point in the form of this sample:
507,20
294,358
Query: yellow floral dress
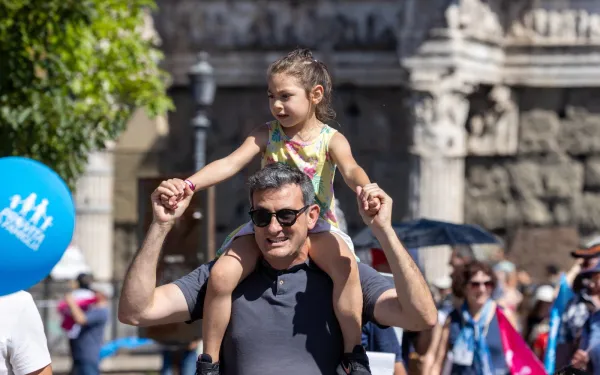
314,160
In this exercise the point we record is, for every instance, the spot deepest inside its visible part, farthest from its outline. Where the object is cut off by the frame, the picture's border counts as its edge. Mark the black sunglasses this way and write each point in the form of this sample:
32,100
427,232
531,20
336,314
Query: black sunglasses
286,217
478,284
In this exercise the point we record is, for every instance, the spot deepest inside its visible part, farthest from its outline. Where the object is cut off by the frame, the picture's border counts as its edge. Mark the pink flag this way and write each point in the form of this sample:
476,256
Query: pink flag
519,358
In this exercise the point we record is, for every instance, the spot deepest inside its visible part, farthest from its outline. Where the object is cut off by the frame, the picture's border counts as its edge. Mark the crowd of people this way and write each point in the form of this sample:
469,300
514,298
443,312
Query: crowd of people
467,336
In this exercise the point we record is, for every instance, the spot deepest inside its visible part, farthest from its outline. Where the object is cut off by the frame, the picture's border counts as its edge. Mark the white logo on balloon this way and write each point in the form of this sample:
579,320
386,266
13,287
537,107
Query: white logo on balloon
26,220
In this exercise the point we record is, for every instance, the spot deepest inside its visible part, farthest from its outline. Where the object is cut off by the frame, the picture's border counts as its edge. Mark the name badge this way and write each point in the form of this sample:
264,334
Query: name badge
461,355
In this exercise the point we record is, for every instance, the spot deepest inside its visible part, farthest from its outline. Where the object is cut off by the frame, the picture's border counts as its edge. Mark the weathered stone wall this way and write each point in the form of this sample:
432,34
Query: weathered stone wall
554,178
373,120
259,25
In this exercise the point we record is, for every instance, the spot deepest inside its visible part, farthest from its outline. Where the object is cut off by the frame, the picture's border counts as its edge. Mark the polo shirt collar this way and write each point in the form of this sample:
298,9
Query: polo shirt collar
269,270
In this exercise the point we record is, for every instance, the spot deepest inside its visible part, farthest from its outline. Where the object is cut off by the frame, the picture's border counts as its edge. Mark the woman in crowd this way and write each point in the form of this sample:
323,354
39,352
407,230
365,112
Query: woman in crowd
470,342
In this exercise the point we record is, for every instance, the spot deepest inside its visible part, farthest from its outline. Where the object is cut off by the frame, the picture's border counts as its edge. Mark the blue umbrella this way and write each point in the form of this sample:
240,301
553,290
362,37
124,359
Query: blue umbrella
424,233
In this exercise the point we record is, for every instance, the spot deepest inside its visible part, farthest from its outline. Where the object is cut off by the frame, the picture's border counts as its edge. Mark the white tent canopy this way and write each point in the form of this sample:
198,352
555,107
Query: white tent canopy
70,265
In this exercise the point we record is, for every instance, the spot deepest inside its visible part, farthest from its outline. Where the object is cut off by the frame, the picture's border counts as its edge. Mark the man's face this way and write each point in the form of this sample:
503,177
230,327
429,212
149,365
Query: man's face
589,263
456,261
594,286
278,242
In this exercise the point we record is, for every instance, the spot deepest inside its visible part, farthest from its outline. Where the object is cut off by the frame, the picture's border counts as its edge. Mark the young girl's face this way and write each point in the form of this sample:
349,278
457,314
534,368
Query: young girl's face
288,100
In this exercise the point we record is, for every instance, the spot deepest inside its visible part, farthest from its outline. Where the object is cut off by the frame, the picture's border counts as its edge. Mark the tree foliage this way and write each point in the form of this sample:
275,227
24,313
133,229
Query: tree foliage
71,73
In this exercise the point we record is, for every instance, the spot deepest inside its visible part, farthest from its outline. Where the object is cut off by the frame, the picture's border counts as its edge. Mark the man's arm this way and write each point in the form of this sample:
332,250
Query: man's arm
141,303
410,305
47,370
28,351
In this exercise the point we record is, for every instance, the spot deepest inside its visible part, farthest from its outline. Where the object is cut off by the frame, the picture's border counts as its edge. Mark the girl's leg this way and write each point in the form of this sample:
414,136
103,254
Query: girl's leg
334,257
229,270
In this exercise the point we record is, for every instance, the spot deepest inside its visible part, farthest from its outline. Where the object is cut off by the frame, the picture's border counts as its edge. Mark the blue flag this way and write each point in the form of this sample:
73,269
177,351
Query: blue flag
565,293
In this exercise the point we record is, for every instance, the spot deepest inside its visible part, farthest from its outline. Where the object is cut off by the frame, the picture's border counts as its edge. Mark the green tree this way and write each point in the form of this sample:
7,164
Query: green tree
71,73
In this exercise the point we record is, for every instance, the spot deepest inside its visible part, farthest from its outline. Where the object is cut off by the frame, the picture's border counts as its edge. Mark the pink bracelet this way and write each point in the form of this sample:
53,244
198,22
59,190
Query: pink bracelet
190,184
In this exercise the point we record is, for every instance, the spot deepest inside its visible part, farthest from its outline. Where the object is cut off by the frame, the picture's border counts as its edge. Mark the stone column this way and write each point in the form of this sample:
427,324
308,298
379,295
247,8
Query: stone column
94,208
439,151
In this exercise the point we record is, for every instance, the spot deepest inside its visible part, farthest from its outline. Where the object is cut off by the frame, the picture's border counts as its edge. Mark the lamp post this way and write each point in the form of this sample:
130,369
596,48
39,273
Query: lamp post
203,85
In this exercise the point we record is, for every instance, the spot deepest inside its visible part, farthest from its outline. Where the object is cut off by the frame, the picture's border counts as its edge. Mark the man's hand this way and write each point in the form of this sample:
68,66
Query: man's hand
383,216
161,213
580,359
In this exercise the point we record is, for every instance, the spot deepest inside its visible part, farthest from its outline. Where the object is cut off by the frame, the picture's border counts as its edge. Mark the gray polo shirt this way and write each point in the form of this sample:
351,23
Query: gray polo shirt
282,321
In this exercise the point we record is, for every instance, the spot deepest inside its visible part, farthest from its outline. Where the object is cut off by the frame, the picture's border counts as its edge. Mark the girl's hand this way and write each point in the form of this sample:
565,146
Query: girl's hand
370,202
161,213
383,218
172,192
374,204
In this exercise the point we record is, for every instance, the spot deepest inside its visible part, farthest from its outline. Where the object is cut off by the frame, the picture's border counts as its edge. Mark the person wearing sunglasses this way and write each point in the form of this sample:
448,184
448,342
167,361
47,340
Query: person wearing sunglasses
299,95
470,340
283,318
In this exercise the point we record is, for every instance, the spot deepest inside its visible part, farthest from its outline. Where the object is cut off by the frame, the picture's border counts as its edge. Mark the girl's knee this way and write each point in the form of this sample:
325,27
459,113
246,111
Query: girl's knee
332,243
223,276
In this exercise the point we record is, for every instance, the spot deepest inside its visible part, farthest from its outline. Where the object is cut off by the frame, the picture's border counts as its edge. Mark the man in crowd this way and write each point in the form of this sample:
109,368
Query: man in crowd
588,354
580,307
282,314
23,348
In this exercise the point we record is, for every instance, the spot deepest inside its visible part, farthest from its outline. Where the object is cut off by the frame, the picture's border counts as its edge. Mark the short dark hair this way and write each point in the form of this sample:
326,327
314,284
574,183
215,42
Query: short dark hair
276,175
462,276
552,269
464,252
84,280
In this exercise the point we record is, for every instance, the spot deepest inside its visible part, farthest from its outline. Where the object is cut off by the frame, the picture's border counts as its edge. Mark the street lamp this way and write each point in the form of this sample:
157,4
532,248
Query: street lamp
203,85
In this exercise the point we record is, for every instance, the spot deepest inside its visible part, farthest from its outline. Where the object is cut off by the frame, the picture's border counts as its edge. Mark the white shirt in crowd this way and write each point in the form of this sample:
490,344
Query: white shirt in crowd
23,347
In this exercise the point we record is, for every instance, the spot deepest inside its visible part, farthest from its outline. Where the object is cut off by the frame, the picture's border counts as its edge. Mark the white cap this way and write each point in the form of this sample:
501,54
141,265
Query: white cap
544,293
505,266
442,282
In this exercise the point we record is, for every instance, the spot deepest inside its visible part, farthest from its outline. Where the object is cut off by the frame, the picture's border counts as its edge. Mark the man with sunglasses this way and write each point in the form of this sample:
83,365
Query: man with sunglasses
282,314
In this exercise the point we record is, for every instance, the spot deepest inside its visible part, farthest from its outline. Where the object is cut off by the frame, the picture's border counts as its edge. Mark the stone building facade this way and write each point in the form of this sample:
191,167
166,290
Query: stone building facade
484,111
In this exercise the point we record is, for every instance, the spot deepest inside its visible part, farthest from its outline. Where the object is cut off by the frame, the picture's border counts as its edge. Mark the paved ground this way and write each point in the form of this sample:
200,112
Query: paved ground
122,363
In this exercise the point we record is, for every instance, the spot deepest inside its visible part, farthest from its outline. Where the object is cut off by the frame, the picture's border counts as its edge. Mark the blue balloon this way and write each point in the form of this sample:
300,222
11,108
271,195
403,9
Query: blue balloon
37,218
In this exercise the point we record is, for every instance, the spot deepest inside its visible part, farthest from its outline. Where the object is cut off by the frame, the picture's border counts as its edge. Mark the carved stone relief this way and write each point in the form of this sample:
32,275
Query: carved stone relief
493,124
440,119
556,26
267,25
476,18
